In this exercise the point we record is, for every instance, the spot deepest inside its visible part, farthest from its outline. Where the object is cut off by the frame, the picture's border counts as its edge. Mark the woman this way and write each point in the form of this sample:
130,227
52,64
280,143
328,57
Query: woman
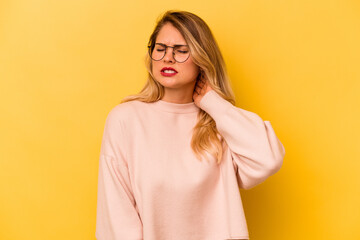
174,156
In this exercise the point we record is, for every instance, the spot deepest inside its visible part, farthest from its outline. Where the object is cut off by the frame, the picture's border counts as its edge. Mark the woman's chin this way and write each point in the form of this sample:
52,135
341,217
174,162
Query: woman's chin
169,82
173,82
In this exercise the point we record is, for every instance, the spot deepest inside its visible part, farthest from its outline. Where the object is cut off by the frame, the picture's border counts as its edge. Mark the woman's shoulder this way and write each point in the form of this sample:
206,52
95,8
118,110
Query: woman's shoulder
126,109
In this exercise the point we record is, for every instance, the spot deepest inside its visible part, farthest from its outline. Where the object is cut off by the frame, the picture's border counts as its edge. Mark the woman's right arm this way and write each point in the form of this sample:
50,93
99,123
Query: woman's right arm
116,215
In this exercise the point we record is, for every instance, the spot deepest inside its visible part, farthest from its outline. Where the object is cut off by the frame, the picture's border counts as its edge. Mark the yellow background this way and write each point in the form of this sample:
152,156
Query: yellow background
65,64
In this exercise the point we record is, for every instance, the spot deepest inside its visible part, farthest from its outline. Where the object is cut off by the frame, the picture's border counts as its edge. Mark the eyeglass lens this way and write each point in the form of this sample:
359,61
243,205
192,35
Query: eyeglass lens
180,53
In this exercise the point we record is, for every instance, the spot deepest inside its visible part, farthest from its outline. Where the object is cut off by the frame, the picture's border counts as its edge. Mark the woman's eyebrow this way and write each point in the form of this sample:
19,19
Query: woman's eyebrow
171,46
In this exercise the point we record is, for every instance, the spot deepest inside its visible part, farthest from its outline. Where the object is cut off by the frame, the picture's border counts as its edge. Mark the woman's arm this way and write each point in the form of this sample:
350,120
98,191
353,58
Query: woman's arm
256,151
116,216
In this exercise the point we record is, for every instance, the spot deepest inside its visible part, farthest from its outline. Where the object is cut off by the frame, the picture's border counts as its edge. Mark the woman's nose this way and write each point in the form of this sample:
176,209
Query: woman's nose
169,56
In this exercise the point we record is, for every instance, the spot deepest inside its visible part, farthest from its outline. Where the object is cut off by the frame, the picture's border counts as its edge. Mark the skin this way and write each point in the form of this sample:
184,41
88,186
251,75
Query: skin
183,87
201,88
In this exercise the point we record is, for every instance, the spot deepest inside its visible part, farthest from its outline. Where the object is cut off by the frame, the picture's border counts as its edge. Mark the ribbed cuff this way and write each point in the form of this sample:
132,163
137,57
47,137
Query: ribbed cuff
214,104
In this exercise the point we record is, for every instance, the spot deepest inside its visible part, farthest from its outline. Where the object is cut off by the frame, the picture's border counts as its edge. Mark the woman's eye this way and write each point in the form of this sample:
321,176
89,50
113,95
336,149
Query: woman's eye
182,51
160,50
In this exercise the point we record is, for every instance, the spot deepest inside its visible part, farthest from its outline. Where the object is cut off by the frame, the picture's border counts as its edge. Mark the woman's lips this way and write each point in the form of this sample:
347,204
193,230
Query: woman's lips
168,72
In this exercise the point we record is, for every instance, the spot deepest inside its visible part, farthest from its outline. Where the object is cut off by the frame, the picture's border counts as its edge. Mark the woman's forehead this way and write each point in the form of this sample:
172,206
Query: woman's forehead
169,35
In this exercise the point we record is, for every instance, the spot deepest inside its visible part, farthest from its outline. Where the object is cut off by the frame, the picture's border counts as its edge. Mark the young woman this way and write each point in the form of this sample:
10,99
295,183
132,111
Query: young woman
174,156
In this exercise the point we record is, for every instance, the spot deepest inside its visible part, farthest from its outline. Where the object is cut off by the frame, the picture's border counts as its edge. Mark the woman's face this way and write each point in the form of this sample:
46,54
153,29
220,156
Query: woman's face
187,72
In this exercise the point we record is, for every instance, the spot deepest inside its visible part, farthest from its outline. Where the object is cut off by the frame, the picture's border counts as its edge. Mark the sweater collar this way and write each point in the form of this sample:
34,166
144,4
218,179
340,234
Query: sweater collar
176,107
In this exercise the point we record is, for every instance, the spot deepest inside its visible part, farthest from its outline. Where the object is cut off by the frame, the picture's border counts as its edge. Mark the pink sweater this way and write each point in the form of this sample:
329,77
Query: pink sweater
152,187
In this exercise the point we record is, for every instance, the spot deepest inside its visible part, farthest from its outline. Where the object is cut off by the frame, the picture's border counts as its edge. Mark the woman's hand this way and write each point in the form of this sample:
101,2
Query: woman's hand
201,88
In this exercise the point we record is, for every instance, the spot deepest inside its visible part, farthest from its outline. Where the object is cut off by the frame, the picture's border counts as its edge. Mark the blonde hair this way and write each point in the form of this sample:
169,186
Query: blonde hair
206,54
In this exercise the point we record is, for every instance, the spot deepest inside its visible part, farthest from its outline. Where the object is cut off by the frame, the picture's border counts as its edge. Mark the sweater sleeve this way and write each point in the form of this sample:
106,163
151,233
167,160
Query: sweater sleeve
256,151
117,217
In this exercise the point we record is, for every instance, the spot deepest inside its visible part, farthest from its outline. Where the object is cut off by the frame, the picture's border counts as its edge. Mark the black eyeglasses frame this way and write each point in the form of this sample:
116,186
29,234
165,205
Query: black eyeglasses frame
151,48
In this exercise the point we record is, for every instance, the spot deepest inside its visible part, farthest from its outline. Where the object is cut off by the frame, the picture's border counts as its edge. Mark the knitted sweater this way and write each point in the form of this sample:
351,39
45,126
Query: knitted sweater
152,187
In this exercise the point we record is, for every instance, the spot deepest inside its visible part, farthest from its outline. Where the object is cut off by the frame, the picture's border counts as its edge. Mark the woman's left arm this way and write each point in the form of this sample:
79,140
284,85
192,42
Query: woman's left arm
256,151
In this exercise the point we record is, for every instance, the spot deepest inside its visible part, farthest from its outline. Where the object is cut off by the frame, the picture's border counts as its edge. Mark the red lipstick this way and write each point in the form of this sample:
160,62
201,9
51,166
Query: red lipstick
168,71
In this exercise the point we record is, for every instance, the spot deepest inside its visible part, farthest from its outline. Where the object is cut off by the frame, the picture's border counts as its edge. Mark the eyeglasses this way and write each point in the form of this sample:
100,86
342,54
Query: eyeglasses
180,52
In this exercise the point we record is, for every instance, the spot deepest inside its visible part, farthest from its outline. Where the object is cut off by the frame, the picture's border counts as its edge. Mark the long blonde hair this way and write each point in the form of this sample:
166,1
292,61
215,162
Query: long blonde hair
206,54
